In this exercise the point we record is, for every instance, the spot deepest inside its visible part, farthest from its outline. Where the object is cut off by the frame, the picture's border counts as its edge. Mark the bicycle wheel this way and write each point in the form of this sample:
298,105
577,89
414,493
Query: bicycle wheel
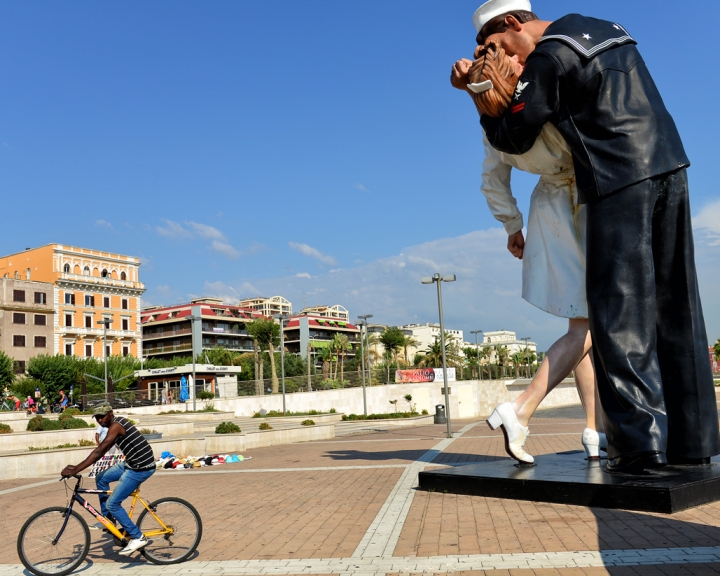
186,530
38,550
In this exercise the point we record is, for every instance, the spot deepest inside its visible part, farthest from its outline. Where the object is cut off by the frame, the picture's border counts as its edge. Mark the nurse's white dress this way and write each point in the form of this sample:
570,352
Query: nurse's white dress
554,254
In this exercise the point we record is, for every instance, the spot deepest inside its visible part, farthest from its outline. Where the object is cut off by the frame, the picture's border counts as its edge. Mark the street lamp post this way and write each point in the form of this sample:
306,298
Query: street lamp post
526,338
105,323
193,319
437,279
364,322
282,318
477,349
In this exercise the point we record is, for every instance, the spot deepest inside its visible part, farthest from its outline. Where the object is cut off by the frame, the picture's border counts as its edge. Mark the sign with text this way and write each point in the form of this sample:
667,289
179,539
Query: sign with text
423,375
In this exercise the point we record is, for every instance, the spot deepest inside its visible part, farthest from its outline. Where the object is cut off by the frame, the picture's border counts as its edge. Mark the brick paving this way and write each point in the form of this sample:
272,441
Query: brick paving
348,506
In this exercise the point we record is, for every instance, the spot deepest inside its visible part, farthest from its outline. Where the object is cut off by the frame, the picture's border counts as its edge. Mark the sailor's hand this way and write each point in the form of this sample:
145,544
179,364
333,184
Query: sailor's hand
459,74
516,244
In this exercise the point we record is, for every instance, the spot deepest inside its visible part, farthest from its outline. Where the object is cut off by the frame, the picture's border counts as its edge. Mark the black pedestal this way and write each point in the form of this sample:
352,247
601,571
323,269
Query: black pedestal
568,478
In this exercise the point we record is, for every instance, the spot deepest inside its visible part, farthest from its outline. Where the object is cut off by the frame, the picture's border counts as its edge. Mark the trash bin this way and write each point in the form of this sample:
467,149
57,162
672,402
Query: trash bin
440,414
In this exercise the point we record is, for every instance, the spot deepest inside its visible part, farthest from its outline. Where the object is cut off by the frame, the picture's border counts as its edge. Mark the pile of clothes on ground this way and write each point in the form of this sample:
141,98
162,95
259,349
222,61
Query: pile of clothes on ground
168,460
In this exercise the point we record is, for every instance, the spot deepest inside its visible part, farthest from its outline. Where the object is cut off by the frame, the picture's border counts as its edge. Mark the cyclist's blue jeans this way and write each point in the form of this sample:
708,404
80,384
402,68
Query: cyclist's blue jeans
127,482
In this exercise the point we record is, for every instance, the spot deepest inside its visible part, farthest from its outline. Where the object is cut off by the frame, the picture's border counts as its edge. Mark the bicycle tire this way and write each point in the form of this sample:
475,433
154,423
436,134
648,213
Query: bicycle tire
36,550
178,546
57,409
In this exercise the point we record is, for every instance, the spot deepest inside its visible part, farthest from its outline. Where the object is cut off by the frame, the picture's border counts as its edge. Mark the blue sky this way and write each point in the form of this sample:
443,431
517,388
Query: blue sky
310,149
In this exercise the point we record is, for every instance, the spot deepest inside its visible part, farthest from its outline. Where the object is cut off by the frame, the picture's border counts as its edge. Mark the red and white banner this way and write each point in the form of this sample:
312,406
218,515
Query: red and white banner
423,375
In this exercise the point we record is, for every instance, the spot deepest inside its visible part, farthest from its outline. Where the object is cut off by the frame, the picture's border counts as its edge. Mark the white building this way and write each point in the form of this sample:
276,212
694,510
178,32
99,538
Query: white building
336,312
425,334
268,306
504,338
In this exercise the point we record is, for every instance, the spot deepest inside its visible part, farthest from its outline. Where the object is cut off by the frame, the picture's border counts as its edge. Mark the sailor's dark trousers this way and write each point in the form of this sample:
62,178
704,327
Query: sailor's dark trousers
646,320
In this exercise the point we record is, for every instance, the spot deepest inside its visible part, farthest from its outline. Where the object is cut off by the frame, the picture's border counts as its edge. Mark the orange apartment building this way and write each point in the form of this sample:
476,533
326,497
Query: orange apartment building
89,286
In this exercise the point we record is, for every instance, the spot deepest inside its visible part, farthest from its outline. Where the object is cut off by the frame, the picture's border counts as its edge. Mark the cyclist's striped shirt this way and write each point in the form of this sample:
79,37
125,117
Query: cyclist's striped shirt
137,450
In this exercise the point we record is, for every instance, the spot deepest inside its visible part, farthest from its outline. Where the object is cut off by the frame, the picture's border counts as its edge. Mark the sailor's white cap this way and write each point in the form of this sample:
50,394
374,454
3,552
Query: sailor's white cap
493,8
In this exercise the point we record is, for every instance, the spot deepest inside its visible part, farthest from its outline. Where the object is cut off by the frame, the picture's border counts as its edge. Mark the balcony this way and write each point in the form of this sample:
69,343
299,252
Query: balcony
166,333
97,332
167,349
100,281
215,330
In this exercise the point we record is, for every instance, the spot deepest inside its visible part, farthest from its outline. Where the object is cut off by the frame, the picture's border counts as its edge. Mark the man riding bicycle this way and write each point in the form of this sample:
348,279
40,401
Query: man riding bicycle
139,465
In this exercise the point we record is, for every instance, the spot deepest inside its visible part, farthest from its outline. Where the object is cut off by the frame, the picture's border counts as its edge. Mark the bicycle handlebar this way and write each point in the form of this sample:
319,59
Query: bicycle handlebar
78,476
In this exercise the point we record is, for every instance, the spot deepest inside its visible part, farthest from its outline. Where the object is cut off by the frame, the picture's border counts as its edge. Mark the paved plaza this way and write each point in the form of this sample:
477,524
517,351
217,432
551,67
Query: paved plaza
349,506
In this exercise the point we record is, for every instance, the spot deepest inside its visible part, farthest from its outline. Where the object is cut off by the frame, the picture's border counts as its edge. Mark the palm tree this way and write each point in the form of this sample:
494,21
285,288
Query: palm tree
408,342
341,344
502,354
517,360
326,356
267,333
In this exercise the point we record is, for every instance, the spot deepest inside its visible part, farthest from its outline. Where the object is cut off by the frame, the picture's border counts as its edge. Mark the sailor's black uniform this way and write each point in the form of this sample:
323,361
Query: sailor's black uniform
587,78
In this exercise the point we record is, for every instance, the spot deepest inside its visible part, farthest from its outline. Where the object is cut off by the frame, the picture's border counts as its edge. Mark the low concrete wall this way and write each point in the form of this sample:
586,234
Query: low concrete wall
50,438
468,399
198,416
49,462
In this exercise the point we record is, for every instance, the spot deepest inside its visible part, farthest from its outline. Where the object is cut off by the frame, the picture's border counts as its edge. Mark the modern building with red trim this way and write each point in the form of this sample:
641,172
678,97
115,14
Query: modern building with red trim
310,332
167,330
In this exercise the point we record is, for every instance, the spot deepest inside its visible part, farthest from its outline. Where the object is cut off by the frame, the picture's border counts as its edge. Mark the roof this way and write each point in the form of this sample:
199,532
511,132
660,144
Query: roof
320,322
184,310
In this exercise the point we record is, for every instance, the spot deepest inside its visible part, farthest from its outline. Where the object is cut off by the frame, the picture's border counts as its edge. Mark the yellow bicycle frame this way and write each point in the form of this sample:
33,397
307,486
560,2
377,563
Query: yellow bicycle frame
165,530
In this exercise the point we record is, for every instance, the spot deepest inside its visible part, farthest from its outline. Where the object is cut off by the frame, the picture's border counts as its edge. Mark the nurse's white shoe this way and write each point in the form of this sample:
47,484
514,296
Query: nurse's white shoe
593,441
504,417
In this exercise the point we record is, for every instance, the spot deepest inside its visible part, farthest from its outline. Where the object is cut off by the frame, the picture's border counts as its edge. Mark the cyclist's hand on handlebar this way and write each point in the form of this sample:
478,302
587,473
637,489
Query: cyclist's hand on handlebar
68,471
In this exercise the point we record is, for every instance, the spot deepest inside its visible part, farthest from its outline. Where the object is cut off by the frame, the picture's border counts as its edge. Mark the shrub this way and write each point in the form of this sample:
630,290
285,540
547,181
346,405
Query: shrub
332,411
313,413
209,407
54,425
205,395
265,426
69,413
5,429
84,442
307,422
425,412
227,428
147,431
35,424
72,423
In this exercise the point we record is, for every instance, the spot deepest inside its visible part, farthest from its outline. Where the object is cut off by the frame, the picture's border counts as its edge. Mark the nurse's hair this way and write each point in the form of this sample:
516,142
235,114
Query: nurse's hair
492,63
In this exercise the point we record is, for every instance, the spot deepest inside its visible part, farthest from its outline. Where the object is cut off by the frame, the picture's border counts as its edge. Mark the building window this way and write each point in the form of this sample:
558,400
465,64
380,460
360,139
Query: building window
19,366
70,298
86,271
123,276
68,319
106,301
88,349
108,352
125,324
19,341
66,268
68,350
18,318
18,295
126,350
40,320
124,304
40,298
89,300
104,273
40,342
27,273
88,321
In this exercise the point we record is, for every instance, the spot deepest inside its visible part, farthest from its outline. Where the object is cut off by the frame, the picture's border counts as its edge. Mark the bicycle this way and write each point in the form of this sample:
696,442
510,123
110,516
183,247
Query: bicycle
56,540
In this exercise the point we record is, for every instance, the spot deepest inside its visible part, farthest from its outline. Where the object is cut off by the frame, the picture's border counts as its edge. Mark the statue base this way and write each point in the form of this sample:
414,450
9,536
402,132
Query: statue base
569,478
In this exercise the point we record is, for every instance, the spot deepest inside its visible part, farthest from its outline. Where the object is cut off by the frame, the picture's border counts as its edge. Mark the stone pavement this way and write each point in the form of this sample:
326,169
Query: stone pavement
349,506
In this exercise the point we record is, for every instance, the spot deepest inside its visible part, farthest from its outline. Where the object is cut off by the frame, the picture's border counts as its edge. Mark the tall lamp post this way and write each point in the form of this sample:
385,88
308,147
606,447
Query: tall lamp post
105,323
477,349
364,322
193,319
526,338
282,318
437,279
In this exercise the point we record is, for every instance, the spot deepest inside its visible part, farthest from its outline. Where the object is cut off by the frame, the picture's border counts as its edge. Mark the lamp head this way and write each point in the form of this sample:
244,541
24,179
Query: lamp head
427,280
449,278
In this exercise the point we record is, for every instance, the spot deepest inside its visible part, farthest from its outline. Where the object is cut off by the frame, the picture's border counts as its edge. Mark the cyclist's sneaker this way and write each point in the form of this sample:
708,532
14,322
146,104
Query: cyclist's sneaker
134,545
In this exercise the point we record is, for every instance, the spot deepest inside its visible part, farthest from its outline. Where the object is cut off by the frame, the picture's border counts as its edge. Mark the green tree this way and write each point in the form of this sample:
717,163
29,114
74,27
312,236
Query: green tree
408,342
7,373
341,344
502,355
55,372
392,340
716,348
267,334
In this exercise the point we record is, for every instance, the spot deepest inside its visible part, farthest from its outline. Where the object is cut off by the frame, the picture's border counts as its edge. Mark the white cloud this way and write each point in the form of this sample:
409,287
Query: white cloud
103,224
205,231
225,249
361,187
709,219
302,275
313,253
173,229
